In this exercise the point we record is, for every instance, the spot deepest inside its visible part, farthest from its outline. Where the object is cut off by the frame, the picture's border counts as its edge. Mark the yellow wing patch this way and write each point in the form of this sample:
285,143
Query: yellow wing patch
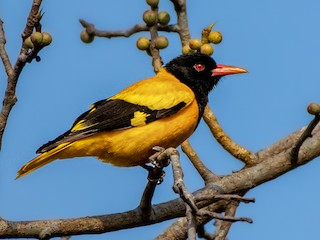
139,119
78,126
92,109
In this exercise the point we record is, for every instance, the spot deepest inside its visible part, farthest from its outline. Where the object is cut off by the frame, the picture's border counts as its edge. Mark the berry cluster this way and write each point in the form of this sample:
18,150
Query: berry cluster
152,18
203,46
37,39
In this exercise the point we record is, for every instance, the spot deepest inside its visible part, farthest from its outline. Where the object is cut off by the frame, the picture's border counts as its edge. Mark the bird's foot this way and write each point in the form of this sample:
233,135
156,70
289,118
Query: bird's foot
160,159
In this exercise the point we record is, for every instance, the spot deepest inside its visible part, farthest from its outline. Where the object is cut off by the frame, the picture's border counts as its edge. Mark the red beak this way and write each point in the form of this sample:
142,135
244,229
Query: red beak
223,70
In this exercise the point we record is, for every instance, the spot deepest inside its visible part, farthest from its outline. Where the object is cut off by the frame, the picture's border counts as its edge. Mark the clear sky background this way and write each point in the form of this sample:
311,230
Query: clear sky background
277,41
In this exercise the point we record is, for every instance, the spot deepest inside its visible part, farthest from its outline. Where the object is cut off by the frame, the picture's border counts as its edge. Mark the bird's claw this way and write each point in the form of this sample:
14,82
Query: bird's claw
154,158
160,159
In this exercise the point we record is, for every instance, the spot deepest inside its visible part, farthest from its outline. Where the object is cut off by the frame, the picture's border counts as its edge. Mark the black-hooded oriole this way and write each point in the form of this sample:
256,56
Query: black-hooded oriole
163,110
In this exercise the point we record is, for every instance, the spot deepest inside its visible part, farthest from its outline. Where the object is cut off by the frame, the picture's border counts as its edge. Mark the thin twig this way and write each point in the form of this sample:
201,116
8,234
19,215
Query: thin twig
180,7
155,53
227,197
306,134
3,54
243,154
178,185
224,226
10,93
155,177
90,28
202,233
192,223
219,216
207,175
146,200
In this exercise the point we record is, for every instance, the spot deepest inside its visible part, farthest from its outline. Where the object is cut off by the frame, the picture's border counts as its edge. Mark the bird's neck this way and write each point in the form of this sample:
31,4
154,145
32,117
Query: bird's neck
200,92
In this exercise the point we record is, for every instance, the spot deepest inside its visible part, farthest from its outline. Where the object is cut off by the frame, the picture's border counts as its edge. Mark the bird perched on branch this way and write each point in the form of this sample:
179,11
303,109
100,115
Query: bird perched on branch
163,110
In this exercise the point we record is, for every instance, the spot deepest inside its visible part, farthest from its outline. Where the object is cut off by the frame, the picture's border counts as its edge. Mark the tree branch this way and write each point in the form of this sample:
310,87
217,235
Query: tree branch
267,169
10,93
207,175
224,226
306,134
125,33
180,6
244,155
3,54
273,162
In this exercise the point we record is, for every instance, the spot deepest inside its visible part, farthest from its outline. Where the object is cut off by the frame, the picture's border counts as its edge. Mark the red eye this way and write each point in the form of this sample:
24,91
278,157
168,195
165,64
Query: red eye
199,67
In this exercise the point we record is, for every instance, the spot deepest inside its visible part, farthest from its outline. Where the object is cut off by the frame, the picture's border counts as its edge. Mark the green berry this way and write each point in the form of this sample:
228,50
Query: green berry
46,38
28,43
195,44
314,108
163,18
215,37
143,43
153,3
86,37
206,49
149,17
36,38
186,49
161,42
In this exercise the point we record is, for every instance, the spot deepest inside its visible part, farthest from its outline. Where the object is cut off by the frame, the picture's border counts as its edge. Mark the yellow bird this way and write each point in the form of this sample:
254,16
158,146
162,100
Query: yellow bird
163,110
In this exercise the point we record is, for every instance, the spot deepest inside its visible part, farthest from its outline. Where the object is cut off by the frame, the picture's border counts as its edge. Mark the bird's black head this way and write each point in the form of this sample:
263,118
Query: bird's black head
199,72
194,70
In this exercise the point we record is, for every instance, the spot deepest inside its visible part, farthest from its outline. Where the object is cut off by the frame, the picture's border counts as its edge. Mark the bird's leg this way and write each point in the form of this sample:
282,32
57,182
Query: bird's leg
160,158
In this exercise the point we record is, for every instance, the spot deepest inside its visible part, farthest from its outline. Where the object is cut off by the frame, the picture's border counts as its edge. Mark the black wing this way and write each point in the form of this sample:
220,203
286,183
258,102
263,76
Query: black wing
110,115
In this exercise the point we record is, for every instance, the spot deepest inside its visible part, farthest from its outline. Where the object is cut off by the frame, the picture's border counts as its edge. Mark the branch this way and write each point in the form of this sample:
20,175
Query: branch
155,53
125,33
267,169
306,134
206,174
160,160
224,226
3,54
244,155
273,162
180,6
10,98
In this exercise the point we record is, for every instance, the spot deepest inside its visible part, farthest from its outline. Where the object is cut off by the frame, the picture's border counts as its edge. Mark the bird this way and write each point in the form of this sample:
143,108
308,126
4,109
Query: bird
122,130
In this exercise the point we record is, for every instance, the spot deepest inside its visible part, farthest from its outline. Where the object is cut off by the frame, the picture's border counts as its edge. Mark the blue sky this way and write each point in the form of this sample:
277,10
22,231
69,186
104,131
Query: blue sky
277,41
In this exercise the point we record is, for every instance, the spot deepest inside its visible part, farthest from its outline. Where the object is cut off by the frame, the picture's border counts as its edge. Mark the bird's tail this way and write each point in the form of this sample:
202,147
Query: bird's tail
42,160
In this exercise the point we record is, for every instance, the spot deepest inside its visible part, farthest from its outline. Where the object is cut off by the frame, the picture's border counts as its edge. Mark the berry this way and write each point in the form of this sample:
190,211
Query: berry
36,38
143,43
195,44
313,108
161,42
149,17
206,49
186,49
163,18
215,37
28,43
46,38
153,3
86,37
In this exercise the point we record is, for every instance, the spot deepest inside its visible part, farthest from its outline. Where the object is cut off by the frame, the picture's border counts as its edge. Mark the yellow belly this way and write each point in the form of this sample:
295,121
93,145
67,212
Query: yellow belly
133,146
